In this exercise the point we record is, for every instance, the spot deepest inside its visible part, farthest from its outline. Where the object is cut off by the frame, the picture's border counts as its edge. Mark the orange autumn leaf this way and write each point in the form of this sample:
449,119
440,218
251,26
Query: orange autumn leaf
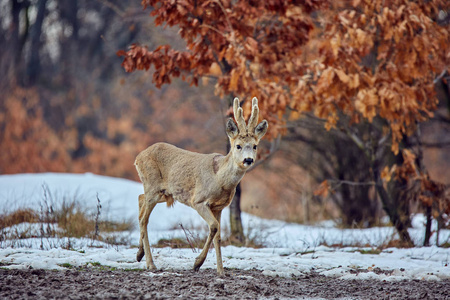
323,189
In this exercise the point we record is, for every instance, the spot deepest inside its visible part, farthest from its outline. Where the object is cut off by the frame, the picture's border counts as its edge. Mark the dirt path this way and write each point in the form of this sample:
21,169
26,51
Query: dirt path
237,284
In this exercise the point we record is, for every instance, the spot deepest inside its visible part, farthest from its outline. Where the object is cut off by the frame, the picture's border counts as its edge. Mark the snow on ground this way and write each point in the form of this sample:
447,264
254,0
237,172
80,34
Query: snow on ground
290,249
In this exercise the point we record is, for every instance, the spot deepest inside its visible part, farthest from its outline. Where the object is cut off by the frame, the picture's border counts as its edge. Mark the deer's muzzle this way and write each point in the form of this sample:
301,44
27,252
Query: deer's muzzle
248,162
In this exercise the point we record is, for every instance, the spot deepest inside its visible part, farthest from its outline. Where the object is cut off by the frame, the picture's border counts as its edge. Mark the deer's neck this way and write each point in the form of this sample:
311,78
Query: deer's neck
229,174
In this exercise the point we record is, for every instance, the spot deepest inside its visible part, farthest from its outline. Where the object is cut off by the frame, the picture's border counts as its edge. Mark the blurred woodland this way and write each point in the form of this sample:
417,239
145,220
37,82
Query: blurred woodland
357,95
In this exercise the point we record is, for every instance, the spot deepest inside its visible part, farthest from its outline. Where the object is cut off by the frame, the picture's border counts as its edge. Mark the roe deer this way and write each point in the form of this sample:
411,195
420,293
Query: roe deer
205,182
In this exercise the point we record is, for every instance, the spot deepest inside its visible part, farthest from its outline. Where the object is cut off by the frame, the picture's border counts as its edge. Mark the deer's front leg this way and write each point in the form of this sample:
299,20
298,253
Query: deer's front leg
217,241
214,226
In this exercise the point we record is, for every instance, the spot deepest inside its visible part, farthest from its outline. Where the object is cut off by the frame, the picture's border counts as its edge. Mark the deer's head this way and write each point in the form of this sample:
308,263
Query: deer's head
244,139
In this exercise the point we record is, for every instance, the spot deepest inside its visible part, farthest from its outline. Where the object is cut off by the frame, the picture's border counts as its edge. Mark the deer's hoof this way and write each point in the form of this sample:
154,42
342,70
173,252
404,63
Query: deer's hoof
198,263
140,254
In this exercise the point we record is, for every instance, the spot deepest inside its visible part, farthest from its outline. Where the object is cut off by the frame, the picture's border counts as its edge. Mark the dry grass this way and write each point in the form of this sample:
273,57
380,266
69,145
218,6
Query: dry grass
17,217
195,245
67,219
76,221
175,243
370,249
196,241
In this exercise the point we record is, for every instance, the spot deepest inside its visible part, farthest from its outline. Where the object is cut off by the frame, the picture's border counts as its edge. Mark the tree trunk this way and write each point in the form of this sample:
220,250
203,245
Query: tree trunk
394,215
391,209
11,62
357,207
237,231
33,65
426,241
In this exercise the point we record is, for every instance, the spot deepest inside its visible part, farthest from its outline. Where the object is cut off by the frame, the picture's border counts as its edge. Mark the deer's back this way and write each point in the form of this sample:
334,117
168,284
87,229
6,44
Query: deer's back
176,171
168,156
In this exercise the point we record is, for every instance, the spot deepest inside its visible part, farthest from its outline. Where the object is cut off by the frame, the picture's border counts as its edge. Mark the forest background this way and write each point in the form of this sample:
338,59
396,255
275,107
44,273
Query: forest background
356,94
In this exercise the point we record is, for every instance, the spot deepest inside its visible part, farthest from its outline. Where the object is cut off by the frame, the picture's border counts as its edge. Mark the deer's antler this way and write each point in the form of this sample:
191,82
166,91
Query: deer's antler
253,121
239,116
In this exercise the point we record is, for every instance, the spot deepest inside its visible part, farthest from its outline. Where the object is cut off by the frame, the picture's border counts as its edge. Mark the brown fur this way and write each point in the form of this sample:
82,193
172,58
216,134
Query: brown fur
205,182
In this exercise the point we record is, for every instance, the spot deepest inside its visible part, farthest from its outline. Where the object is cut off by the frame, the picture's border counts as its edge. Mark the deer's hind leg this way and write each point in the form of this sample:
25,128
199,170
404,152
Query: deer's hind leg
145,209
151,178
140,253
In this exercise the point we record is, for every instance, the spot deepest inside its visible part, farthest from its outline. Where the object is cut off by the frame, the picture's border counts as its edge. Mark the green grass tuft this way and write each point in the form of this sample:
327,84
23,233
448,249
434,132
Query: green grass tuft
370,251
66,265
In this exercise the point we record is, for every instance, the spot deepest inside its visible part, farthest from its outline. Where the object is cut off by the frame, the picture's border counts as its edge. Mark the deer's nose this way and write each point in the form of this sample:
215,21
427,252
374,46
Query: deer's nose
248,161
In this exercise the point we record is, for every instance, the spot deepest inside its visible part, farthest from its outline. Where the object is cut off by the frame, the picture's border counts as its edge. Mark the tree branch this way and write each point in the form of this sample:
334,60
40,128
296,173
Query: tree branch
436,145
353,183
439,78
113,7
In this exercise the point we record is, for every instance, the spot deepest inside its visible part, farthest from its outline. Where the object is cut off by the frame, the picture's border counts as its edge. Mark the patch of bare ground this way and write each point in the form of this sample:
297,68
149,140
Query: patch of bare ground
237,284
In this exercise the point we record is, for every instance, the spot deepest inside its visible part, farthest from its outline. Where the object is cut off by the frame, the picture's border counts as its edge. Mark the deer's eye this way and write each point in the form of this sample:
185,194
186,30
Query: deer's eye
254,147
238,147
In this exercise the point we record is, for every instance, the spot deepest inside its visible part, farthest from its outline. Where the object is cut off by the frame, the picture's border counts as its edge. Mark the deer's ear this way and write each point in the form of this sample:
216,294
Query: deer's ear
232,130
261,129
